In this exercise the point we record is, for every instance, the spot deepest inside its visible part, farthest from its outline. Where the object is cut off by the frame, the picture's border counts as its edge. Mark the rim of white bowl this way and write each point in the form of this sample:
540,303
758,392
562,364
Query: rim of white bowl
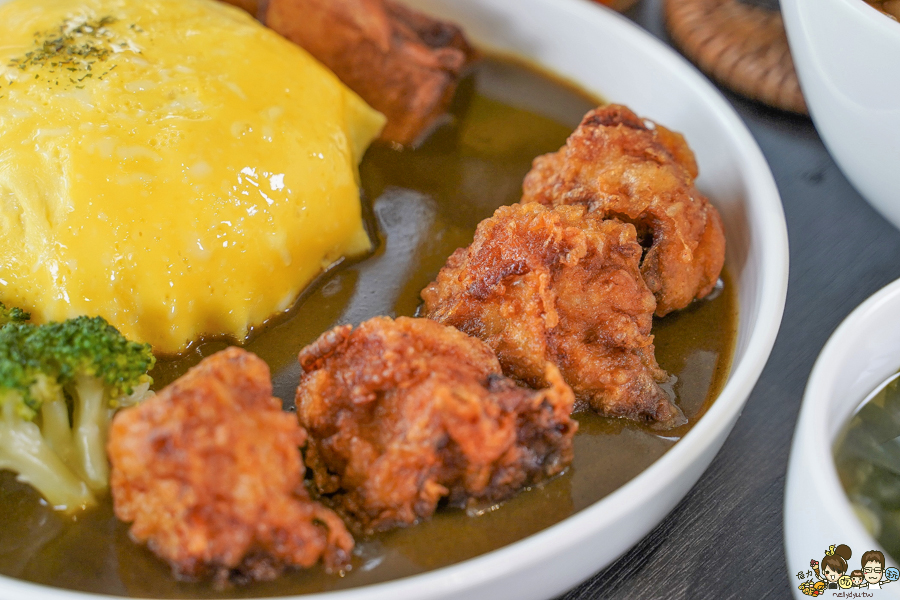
813,424
773,250
874,16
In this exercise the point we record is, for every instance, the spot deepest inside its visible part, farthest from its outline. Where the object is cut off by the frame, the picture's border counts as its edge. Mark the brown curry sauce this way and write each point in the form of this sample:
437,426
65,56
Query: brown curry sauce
424,204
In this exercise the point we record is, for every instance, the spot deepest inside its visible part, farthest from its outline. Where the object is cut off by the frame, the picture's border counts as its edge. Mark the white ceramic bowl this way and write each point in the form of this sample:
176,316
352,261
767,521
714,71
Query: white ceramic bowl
610,56
846,55
861,354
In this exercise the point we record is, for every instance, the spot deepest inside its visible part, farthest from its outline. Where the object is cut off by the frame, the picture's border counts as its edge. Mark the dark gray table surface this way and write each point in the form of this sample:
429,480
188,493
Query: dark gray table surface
724,540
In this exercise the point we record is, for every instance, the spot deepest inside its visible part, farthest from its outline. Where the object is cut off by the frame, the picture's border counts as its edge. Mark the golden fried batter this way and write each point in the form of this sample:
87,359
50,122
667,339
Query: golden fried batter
405,64
209,472
402,413
621,168
560,285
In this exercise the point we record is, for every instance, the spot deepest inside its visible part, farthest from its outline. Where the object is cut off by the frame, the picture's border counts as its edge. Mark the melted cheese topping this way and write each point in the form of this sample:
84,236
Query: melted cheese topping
170,165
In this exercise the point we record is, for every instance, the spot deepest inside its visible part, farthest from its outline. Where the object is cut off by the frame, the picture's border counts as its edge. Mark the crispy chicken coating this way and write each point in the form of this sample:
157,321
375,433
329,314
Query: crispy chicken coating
560,285
403,413
403,63
210,475
622,168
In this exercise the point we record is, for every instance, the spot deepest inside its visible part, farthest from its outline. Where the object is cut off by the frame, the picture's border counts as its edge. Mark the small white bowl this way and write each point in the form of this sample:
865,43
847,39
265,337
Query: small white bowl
847,56
861,353
610,56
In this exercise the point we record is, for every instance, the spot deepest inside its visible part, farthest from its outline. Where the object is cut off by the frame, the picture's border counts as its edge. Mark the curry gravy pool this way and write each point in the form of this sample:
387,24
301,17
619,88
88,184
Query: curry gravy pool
424,204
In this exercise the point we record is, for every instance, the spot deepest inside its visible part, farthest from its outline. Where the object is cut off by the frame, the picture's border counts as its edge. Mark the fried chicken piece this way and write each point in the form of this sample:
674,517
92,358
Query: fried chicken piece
624,169
251,6
209,473
402,413
403,63
560,285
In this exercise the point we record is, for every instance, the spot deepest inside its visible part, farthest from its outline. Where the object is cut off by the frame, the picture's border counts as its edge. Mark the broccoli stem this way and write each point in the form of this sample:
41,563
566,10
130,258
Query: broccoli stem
24,451
57,430
91,425
55,425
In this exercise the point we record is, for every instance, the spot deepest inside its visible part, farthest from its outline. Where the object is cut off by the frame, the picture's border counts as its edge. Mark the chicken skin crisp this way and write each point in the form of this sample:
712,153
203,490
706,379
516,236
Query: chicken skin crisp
402,413
621,168
560,285
209,473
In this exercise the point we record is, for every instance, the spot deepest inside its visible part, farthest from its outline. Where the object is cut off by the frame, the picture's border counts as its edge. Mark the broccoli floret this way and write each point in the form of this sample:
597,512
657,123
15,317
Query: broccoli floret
23,448
12,315
82,367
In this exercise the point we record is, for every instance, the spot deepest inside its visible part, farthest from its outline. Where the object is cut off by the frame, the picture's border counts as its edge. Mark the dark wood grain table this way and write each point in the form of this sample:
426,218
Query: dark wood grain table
724,540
